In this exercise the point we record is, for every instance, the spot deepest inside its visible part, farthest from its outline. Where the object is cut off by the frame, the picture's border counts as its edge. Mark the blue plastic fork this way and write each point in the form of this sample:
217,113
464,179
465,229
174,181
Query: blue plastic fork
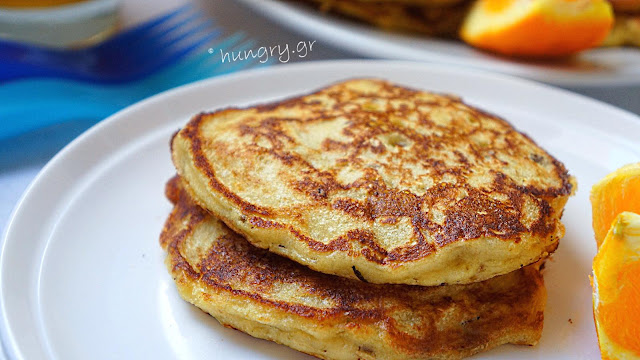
129,56
34,103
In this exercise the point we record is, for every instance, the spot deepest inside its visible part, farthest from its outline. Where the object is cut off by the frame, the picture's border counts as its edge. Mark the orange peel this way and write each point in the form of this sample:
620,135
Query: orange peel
537,28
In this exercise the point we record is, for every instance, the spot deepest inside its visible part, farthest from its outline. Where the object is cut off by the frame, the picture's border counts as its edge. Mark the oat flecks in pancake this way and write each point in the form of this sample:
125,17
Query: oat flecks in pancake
404,185
271,297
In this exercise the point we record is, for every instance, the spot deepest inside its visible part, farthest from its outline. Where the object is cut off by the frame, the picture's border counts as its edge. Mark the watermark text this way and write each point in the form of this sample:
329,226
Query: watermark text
283,53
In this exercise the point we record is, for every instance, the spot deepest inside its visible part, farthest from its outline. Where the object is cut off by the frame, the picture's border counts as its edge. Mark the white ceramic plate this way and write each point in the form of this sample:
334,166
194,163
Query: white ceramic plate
82,273
599,67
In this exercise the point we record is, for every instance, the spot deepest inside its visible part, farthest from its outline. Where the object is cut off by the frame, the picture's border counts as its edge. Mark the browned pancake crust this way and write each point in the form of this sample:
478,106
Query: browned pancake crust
418,3
625,31
430,170
625,6
274,298
436,18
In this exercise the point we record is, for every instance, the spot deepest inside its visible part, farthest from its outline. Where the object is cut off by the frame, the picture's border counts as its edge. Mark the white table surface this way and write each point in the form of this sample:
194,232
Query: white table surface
18,168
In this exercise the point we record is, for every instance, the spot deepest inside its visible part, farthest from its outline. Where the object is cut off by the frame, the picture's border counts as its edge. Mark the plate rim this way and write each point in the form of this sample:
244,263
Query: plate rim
291,16
8,339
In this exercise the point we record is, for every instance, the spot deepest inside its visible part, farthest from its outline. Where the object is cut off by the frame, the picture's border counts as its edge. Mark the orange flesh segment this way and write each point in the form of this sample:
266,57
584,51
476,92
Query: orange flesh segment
616,286
496,6
617,195
516,39
537,28
620,318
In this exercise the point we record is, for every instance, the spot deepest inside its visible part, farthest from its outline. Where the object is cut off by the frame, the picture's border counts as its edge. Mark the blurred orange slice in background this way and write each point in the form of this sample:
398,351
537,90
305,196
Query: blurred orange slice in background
616,289
617,192
537,28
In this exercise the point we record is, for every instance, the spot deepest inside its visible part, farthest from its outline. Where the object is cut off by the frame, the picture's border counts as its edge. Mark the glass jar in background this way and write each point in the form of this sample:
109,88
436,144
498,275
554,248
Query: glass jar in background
58,23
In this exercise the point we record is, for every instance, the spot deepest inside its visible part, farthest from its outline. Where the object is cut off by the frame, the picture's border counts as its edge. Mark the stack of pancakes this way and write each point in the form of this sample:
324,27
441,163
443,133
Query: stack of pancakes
365,221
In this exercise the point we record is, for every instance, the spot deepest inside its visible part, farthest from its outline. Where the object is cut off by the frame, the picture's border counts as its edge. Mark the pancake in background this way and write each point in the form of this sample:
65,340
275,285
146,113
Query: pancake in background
443,18
625,6
626,31
424,3
436,18
273,298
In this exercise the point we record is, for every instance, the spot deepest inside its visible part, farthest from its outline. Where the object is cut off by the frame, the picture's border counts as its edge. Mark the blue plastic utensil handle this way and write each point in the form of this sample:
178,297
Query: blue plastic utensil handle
30,104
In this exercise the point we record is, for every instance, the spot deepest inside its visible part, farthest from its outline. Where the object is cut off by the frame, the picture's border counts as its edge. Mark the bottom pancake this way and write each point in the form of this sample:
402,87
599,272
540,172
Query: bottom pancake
273,298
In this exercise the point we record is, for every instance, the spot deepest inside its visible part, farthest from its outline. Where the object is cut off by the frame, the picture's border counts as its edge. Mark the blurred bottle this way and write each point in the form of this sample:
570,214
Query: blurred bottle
58,23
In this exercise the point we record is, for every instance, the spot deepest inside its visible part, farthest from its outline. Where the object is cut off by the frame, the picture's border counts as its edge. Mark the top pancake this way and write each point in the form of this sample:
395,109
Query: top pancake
365,179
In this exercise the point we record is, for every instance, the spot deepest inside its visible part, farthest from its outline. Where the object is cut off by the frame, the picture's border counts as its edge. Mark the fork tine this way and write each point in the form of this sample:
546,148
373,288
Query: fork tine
174,56
196,29
153,51
146,46
198,35
203,65
146,27
206,57
198,42
170,30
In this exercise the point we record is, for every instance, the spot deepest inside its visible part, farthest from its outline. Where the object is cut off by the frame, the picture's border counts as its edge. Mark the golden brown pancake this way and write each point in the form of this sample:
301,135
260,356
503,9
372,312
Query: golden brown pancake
625,6
435,18
625,31
374,181
421,3
273,298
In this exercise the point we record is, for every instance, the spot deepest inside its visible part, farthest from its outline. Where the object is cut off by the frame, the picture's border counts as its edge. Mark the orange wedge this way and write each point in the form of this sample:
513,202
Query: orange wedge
616,289
537,28
617,192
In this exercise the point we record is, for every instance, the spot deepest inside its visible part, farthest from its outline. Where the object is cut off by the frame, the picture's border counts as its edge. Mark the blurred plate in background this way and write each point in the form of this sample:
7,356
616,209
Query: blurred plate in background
597,67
